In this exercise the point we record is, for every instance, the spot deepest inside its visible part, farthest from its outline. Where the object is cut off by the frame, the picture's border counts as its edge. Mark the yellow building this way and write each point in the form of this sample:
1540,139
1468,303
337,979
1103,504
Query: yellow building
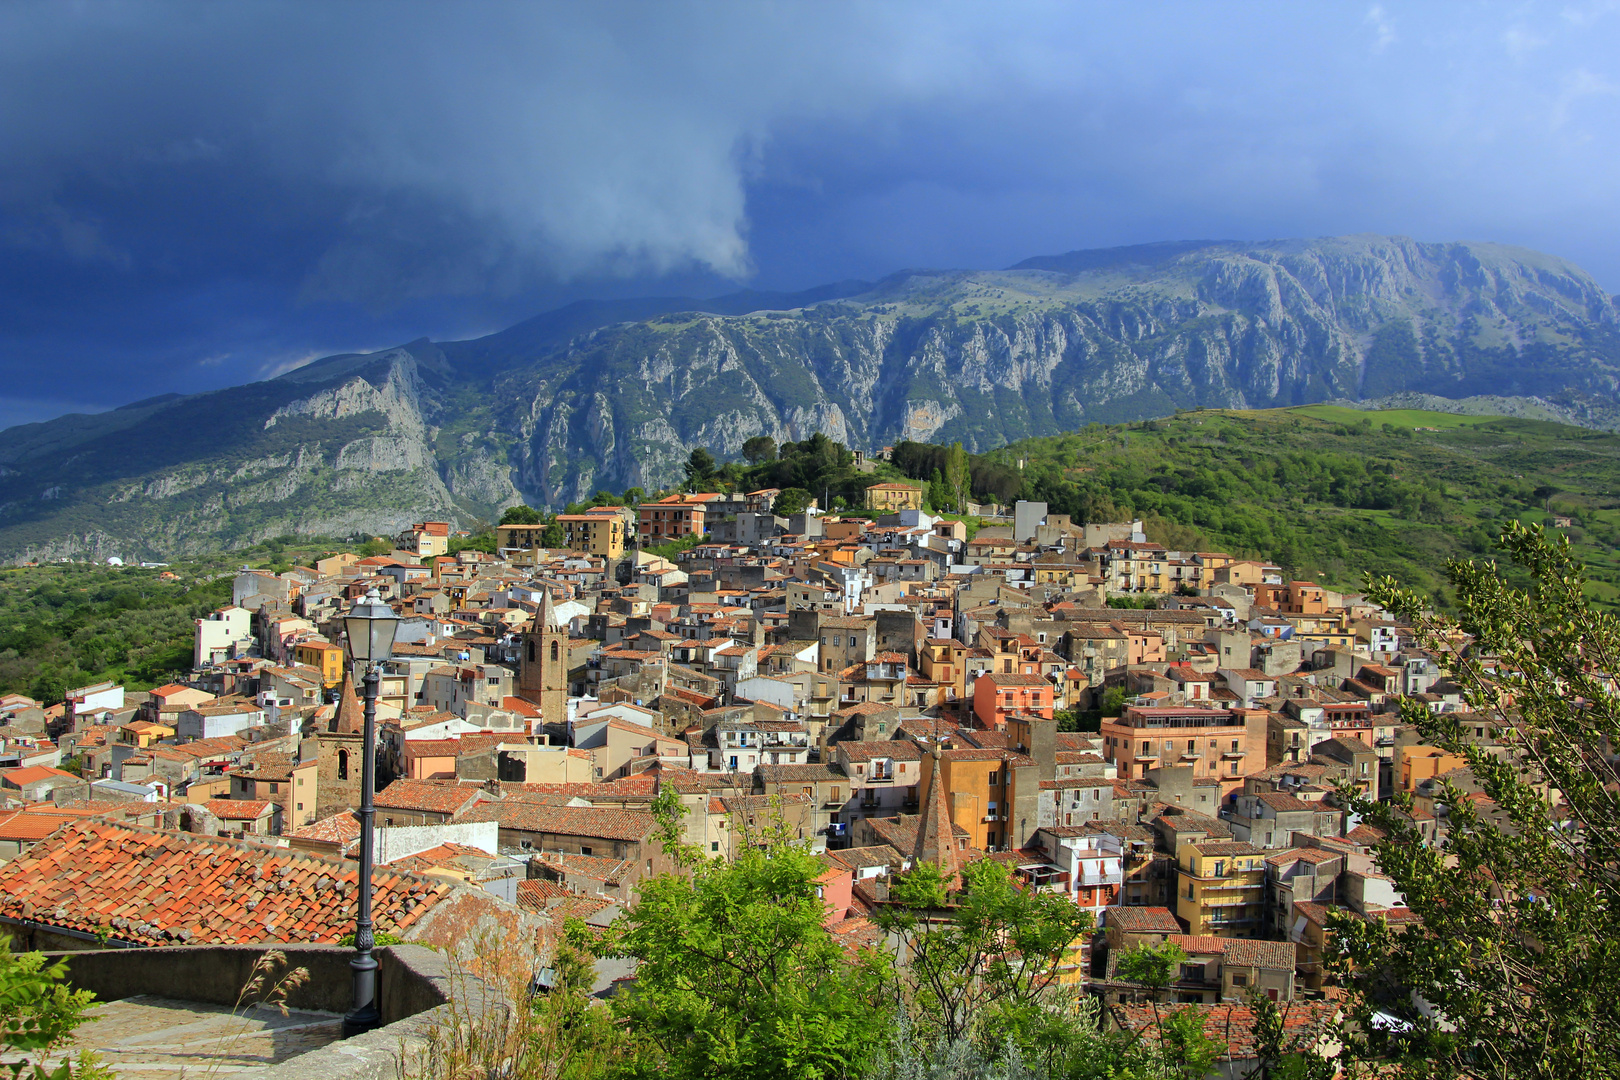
520,545
599,531
324,657
892,497
143,733
426,539
980,790
1221,888
1416,763
303,795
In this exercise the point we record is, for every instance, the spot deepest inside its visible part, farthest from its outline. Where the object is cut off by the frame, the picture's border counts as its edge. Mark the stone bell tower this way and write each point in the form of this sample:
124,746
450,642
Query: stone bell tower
543,665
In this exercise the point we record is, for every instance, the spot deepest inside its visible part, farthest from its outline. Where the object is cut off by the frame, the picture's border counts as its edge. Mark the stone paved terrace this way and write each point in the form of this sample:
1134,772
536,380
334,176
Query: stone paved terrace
156,1038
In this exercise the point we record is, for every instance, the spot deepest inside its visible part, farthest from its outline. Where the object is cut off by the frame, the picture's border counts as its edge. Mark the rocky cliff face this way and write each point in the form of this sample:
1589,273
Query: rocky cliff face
556,408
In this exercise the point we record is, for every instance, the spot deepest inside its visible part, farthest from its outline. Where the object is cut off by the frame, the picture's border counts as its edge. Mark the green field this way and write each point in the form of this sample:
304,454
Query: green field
1412,418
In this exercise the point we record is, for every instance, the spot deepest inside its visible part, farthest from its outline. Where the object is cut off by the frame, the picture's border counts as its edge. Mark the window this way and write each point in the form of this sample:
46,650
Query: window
1234,744
343,764
1192,744
584,849
852,642
531,650
1144,748
556,652
1239,979
276,788
995,778
300,806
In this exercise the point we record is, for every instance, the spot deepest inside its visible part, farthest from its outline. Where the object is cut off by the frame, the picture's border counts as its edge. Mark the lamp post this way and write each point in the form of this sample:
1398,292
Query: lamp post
370,627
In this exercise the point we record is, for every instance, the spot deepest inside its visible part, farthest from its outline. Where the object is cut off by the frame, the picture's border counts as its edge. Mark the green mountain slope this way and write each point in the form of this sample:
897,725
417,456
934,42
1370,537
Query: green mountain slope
1333,493
609,395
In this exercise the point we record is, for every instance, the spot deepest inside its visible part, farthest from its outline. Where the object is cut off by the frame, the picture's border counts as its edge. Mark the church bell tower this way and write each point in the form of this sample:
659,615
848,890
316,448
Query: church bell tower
543,665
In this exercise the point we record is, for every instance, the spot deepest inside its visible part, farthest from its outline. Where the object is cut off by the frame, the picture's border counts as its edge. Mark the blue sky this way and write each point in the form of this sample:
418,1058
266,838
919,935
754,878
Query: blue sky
197,195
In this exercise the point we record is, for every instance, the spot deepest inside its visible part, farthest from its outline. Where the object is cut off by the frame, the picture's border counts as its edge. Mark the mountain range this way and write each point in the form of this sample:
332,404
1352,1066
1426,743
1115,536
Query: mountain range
613,394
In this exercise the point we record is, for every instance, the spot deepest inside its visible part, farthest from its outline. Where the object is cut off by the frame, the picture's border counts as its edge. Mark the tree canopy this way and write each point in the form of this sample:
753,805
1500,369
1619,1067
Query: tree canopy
1508,963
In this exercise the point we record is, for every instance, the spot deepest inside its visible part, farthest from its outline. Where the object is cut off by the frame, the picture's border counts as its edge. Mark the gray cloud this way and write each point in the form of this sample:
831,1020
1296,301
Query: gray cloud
258,181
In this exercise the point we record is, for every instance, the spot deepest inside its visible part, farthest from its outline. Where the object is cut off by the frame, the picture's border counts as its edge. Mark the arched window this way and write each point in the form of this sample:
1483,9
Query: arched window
343,764
556,652
531,650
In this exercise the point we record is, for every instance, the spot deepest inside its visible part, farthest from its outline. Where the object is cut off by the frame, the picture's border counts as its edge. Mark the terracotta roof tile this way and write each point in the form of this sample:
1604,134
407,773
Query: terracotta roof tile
1233,1026
593,821
237,809
424,795
160,888
1142,920
26,827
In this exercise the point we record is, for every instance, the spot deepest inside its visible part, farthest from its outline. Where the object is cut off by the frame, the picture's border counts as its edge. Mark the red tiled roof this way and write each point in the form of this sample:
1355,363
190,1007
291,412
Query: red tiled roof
1199,944
160,888
533,893
26,827
896,749
237,809
1242,952
593,821
1233,1026
428,796
1142,920
33,774
340,828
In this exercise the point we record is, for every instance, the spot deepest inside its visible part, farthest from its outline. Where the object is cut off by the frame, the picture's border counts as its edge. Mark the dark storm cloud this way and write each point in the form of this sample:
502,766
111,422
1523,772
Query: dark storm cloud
193,195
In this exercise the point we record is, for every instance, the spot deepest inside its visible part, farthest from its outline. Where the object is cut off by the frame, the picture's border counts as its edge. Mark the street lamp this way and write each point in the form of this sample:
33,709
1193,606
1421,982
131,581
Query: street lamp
370,627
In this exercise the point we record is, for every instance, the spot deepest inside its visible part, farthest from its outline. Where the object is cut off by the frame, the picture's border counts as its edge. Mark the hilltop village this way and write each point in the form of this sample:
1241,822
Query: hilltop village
1164,736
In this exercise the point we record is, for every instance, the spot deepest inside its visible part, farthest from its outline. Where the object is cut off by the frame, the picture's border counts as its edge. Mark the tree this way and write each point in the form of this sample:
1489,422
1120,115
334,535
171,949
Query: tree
1509,965
552,535
956,474
983,958
737,975
759,448
700,467
520,515
940,496
1185,1051
792,501
38,1012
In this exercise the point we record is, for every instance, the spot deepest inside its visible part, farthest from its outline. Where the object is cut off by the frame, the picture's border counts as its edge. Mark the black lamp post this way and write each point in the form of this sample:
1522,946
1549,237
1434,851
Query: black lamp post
370,627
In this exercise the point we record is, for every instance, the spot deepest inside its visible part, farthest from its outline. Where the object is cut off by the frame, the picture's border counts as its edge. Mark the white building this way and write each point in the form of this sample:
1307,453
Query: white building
217,721
224,635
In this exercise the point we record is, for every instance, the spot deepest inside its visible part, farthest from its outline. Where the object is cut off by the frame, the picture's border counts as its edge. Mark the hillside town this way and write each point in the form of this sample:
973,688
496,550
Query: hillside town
885,687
